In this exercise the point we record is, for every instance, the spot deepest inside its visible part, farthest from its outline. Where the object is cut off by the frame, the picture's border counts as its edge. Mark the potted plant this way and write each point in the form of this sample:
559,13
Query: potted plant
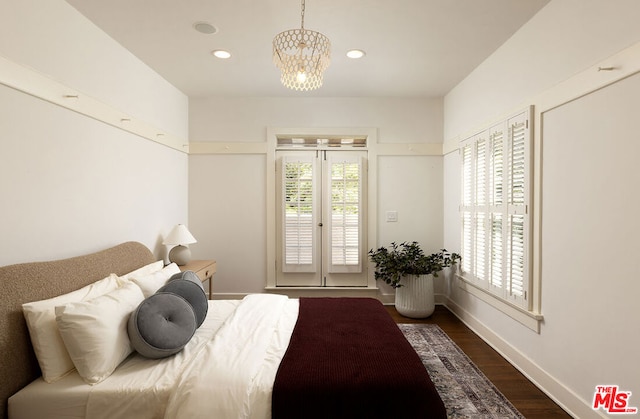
410,271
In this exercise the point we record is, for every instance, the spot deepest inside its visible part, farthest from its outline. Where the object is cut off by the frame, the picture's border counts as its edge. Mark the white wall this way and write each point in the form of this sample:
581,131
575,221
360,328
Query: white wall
563,38
227,215
246,119
577,347
228,192
71,184
589,239
54,39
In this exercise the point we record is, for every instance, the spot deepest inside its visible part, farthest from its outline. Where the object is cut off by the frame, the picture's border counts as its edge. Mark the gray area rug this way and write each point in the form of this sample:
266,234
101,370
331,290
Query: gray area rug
464,389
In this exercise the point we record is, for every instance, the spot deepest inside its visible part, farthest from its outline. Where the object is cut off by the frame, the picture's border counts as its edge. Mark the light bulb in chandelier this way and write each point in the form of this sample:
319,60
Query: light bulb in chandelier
301,76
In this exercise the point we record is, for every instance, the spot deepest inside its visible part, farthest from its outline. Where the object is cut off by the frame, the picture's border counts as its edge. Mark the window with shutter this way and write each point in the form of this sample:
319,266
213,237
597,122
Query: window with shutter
321,238
467,177
494,211
480,195
496,202
344,175
299,217
517,261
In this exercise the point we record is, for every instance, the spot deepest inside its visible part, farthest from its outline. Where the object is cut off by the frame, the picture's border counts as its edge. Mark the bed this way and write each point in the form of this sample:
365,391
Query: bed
260,357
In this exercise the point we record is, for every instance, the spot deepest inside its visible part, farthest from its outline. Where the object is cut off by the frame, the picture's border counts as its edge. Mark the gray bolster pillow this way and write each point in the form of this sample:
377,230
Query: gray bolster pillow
187,285
161,325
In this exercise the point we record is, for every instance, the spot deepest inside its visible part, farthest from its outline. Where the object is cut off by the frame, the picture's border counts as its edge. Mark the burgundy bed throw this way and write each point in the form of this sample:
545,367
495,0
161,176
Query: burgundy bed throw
348,359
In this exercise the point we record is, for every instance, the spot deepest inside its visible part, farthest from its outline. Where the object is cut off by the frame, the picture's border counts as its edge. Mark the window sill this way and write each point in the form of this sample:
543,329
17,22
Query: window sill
527,318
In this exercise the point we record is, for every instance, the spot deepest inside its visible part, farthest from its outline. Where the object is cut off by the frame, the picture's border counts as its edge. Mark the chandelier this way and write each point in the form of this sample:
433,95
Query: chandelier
302,56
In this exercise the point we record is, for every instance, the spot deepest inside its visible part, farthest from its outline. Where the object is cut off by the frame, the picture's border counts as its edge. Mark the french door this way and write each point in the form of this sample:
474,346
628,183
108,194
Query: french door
321,218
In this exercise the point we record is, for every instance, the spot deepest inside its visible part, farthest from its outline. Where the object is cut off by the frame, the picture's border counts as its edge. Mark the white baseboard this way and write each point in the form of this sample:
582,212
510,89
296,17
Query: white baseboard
563,396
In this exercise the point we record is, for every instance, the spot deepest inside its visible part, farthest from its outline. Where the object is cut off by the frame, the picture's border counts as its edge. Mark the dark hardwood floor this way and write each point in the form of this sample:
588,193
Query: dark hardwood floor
525,396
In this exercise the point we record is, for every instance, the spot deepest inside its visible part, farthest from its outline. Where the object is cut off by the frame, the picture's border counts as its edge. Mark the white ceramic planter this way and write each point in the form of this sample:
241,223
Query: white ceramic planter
415,298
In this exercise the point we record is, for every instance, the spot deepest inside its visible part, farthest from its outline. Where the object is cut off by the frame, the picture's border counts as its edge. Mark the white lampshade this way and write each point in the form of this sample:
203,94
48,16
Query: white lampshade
179,235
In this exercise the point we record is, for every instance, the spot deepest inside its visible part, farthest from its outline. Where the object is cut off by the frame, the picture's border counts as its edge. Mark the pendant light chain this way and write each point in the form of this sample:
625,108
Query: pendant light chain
302,16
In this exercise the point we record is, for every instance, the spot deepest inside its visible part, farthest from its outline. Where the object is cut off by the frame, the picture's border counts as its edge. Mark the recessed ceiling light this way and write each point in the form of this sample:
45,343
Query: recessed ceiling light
205,27
355,53
220,53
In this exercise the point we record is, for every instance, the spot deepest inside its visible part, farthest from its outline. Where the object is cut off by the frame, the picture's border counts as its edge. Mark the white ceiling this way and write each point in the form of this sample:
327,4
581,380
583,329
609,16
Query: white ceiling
419,48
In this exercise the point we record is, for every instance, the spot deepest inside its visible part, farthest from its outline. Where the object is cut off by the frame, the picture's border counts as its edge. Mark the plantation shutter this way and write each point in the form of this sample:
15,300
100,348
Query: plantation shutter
481,239
494,217
517,208
343,223
497,205
466,208
299,191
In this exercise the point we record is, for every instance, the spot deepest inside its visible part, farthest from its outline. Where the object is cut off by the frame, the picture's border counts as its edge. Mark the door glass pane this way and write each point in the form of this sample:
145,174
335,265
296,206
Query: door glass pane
298,225
345,213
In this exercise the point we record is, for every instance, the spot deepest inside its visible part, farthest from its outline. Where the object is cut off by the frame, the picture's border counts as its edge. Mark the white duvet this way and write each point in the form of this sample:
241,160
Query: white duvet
233,375
227,370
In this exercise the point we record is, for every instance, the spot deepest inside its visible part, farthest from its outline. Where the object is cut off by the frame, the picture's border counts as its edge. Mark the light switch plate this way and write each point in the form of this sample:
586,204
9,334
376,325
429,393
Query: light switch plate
392,216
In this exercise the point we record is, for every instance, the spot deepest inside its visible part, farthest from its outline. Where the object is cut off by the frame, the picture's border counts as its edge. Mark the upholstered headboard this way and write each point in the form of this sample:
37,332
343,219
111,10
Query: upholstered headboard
36,281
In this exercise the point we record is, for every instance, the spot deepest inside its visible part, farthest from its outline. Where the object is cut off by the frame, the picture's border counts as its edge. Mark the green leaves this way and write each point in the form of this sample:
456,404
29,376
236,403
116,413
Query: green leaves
402,259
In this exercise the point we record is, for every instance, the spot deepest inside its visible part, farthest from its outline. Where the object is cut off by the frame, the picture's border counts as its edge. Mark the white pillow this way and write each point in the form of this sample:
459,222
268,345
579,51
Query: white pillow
145,270
152,282
48,346
95,331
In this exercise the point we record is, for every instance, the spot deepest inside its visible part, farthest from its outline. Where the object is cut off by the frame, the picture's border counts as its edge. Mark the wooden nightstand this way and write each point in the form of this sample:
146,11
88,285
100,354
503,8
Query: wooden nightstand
205,269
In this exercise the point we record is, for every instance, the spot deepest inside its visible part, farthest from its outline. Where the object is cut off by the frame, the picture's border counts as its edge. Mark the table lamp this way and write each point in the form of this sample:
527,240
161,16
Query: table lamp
179,236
